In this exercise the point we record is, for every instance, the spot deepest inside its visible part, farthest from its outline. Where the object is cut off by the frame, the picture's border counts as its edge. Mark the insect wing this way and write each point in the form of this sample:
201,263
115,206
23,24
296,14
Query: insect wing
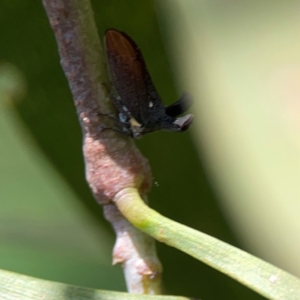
130,78
180,106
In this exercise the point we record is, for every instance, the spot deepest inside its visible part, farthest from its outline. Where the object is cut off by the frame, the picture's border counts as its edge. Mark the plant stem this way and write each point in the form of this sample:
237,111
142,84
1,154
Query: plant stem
256,274
112,160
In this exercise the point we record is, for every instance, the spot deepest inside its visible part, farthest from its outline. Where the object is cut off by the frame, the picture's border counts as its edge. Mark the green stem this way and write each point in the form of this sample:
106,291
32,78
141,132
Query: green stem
16,286
258,275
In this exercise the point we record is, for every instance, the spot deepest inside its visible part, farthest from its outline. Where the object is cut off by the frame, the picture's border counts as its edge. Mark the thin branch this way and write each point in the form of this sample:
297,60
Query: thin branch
112,160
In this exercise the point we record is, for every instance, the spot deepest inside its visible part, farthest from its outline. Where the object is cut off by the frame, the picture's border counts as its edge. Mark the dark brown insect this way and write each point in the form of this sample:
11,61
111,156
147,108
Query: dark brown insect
140,108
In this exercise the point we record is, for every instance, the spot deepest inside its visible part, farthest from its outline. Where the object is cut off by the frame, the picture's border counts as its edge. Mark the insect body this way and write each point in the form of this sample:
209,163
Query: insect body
140,108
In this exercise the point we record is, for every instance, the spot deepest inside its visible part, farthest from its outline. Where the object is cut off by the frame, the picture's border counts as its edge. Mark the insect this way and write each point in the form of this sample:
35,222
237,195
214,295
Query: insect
140,108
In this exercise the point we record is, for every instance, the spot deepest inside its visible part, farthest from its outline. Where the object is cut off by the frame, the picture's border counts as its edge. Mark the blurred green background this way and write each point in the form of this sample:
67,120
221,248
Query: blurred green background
50,225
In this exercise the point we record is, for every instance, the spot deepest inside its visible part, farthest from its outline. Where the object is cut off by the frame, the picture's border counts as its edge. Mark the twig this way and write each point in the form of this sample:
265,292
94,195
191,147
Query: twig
112,161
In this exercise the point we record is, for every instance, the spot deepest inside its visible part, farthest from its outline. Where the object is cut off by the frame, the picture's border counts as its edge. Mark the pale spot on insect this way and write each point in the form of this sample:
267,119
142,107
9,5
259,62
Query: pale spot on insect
125,108
150,104
134,123
123,118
